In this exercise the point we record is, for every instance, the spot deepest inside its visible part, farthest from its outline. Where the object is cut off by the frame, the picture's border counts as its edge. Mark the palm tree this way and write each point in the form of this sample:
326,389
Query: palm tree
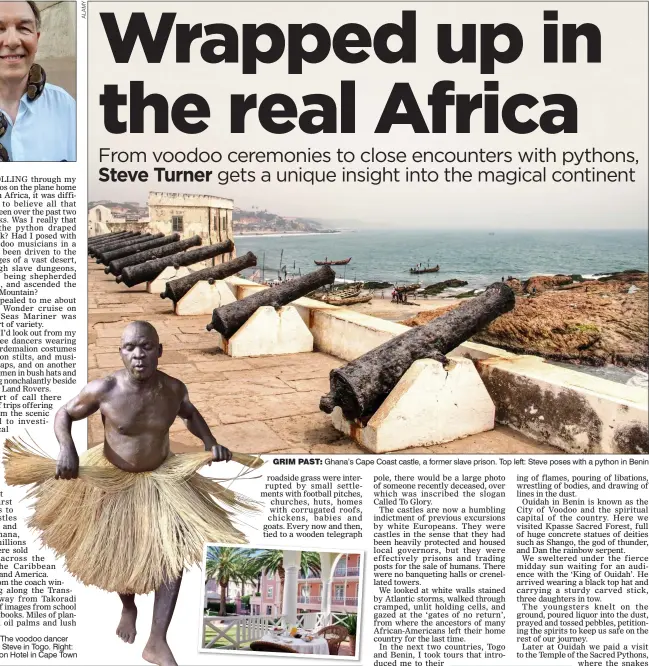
223,564
272,562
249,569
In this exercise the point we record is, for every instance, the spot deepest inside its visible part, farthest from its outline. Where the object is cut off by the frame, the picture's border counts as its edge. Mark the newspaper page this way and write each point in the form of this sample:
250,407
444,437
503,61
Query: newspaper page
324,333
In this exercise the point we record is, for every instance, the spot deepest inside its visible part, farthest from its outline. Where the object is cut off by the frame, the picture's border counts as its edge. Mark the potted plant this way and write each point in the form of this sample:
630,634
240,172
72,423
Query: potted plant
350,623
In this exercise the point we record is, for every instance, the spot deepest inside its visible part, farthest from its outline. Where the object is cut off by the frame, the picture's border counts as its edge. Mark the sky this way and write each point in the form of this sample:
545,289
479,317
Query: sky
611,98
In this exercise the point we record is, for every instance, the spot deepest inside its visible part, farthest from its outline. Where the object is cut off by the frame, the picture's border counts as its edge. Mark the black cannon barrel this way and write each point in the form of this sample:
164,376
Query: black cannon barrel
106,256
119,244
118,265
360,387
228,319
113,237
150,270
157,241
94,243
111,241
100,236
176,289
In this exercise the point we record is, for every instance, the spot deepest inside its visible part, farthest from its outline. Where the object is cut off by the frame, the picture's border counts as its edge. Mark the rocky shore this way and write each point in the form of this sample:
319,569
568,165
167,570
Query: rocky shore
566,318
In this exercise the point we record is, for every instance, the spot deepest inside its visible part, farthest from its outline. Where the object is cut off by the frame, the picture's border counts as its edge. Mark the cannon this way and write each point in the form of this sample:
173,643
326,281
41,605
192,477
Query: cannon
228,319
136,274
360,387
96,243
126,246
156,240
118,265
176,289
113,237
120,243
116,244
92,251
100,236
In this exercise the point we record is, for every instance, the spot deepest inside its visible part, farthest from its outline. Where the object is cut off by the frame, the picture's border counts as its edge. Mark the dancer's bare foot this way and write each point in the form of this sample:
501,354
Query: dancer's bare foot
126,627
157,652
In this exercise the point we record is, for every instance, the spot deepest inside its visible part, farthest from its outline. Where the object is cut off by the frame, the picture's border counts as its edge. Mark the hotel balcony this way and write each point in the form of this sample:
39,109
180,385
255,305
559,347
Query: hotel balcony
346,572
338,604
338,572
344,603
307,601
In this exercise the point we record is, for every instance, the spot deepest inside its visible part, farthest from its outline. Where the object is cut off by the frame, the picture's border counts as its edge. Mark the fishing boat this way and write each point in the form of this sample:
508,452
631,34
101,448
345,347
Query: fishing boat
428,269
344,294
350,300
339,291
407,288
350,297
345,286
337,262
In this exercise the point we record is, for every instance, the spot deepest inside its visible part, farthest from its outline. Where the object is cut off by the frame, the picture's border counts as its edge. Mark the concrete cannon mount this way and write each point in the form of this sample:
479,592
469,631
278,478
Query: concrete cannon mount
268,404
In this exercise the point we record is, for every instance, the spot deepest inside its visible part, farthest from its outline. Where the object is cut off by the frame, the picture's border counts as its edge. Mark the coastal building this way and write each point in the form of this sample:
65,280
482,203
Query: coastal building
207,216
99,218
189,214
104,219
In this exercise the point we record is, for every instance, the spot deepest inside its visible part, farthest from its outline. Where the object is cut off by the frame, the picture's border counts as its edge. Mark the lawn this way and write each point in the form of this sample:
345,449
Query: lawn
222,642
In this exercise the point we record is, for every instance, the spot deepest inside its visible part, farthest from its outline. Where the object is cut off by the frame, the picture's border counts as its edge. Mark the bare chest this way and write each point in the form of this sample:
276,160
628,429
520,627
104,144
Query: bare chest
132,415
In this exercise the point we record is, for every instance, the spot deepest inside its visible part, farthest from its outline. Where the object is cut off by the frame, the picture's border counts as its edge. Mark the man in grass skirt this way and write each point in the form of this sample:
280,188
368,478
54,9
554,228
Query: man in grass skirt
136,516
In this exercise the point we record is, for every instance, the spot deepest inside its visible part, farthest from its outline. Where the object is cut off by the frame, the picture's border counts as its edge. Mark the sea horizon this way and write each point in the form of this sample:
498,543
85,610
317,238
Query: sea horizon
477,257
342,229
365,227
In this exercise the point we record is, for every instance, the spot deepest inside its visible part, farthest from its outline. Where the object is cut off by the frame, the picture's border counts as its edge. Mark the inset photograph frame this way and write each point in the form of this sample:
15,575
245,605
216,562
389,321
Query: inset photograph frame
282,600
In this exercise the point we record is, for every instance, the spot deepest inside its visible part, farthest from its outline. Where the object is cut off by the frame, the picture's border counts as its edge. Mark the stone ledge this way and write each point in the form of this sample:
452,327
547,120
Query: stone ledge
576,412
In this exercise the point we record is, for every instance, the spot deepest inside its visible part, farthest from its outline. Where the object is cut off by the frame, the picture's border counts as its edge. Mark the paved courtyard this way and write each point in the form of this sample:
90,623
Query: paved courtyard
262,405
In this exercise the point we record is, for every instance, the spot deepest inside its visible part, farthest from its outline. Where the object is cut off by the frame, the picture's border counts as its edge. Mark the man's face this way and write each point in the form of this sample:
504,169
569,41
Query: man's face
18,40
140,351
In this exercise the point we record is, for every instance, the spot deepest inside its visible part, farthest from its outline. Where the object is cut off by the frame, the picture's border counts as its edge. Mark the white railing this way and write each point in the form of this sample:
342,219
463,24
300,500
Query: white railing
246,628
307,621
338,618
311,621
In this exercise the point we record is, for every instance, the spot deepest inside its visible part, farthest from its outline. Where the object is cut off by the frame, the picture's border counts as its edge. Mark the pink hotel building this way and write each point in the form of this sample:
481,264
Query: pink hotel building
344,590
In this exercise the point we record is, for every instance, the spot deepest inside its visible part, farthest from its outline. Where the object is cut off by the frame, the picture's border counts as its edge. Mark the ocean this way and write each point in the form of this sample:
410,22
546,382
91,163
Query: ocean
479,257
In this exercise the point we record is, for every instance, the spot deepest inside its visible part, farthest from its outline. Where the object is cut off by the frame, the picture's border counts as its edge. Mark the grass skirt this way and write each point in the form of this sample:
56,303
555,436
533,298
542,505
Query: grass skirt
121,531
